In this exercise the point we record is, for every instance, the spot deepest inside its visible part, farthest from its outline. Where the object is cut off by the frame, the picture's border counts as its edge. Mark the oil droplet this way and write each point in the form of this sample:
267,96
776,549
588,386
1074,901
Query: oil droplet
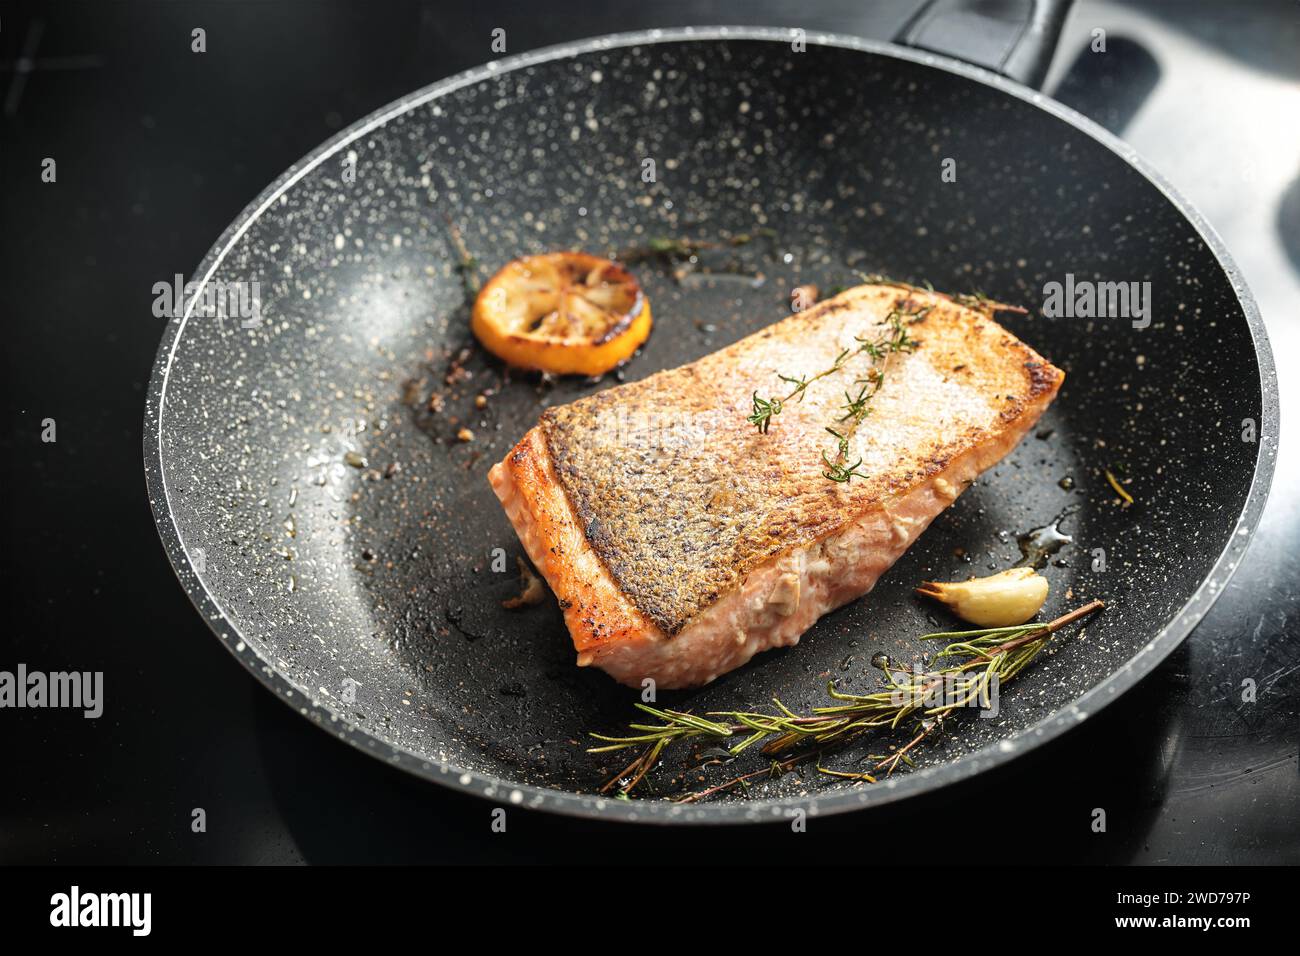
1067,483
1038,545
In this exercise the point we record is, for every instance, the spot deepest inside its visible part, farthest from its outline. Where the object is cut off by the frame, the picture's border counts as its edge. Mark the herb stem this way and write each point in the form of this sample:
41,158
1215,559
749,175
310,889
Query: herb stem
1119,489
467,266
991,654
856,409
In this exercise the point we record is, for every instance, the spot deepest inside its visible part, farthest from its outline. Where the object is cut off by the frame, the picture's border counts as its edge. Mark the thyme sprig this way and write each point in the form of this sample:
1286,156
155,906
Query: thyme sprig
837,470
857,408
670,249
857,400
973,300
466,265
982,657
766,409
896,340
877,278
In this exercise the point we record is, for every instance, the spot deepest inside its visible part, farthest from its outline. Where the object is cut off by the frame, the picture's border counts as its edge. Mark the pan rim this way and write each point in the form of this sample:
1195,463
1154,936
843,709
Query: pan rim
923,779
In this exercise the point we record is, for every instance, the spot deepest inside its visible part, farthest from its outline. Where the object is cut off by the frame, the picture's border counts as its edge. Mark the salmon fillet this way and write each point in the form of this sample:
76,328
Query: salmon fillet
680,541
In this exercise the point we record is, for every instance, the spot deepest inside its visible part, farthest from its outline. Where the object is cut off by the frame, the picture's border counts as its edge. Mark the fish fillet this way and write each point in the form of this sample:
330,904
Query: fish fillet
680,541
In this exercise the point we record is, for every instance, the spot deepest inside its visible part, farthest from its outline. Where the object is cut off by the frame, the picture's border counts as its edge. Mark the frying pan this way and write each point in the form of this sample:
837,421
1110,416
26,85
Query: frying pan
342,543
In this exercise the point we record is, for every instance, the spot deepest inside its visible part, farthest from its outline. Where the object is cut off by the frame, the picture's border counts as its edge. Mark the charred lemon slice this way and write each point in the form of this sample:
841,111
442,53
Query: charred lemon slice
564,312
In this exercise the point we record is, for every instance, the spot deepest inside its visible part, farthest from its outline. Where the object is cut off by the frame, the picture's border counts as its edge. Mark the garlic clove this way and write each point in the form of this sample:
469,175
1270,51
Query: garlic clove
999,600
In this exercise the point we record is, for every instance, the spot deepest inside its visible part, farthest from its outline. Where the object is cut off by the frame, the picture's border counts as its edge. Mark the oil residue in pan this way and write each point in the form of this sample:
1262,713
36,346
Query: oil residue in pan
1039,544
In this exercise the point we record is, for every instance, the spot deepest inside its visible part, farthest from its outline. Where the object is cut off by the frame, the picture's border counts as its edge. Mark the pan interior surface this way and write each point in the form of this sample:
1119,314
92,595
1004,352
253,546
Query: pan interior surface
346,540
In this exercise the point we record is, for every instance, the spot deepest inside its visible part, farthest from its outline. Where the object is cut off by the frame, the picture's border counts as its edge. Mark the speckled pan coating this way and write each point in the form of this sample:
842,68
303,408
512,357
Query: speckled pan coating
339,541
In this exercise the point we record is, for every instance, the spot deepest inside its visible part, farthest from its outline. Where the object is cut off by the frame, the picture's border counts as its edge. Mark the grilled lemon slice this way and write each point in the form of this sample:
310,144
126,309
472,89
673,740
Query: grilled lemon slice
569,313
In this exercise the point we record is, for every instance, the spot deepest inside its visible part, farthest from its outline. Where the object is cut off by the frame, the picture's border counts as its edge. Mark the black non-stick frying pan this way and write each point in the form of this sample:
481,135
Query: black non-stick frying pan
340,540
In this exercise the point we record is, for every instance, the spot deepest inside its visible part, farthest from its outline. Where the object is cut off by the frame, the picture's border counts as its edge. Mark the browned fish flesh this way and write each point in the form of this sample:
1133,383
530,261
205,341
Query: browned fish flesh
681,541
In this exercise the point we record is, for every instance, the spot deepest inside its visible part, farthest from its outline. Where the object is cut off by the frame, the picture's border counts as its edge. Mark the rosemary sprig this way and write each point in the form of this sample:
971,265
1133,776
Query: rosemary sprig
982,656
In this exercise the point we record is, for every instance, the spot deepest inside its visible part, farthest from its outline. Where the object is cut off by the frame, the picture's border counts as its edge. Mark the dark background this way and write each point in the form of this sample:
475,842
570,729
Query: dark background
158,149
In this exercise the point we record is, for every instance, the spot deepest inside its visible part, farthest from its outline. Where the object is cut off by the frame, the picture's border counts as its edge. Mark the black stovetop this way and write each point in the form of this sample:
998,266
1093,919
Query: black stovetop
158,149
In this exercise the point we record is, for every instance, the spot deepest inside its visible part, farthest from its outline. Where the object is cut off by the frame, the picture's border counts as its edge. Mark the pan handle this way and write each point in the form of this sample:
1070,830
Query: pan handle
1013,37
